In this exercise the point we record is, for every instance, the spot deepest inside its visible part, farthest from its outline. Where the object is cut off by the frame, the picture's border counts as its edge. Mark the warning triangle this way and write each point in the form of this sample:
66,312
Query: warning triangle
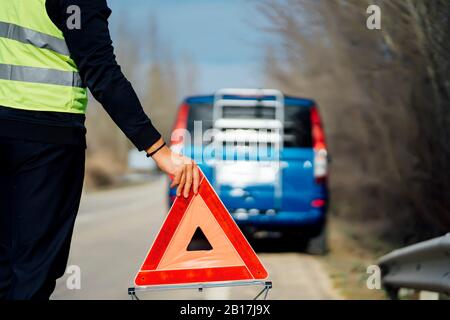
199,242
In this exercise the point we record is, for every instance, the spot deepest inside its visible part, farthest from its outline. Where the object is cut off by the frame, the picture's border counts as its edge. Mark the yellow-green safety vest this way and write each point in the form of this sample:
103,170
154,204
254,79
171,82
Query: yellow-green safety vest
36,71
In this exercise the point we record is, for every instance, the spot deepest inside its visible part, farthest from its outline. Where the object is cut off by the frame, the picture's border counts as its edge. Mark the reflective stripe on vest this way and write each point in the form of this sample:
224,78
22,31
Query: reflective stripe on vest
39,75
35,38
36,71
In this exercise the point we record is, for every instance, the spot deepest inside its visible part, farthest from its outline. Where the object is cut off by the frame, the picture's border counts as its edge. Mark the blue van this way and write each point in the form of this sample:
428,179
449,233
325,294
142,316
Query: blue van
265,154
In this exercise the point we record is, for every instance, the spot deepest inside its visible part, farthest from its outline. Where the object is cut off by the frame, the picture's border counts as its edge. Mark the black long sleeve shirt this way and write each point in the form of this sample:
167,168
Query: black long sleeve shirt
92,50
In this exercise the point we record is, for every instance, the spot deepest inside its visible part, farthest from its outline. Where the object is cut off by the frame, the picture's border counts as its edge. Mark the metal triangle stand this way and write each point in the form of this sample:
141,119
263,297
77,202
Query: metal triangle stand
267,285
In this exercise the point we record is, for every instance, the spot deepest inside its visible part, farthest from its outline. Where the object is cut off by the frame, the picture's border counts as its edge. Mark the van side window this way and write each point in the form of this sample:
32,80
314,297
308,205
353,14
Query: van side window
297,127
200,112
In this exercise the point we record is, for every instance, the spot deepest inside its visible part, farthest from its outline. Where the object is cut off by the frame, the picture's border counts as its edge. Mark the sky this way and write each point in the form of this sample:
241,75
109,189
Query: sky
220,36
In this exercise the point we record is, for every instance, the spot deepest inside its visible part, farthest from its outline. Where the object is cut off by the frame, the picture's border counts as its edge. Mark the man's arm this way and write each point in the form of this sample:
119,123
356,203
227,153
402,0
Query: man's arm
92,50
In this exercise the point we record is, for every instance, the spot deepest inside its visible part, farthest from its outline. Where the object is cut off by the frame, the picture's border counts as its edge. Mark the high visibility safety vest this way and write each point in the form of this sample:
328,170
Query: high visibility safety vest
36,71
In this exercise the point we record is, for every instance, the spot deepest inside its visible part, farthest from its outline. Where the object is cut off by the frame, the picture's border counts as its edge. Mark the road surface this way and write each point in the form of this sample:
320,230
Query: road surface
115,229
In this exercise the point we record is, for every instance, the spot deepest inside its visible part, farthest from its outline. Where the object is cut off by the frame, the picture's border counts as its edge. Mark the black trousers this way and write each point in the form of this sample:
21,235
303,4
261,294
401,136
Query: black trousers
40,190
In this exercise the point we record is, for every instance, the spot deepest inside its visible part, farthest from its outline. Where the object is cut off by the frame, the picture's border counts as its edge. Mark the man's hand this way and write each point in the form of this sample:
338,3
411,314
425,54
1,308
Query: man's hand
184,170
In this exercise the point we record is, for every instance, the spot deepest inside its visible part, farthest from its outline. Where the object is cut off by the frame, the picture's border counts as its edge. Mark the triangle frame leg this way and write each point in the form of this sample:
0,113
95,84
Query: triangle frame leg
267,285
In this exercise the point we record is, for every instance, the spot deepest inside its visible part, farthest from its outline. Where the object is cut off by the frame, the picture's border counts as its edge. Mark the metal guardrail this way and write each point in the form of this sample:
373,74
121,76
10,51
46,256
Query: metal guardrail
423,266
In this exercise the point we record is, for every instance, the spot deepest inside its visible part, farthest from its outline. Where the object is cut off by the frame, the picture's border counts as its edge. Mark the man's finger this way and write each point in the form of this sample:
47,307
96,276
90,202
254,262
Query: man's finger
181,185
196,175
176,179
188,184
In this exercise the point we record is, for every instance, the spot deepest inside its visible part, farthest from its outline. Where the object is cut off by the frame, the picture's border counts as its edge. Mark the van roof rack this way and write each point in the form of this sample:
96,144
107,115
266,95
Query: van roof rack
267,115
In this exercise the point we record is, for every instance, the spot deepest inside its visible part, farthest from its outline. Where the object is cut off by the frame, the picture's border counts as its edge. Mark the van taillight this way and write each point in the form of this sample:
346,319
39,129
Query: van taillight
320,147
180,126
318,203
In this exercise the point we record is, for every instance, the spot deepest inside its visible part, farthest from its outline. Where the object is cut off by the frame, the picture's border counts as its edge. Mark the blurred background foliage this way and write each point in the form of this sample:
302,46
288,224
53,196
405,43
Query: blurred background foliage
385,98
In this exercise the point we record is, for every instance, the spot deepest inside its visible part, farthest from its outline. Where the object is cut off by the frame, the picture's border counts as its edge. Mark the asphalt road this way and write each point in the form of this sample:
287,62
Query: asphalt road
115,229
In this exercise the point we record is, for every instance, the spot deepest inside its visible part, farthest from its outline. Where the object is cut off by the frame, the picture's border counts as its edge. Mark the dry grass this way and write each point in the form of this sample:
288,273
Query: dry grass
351,252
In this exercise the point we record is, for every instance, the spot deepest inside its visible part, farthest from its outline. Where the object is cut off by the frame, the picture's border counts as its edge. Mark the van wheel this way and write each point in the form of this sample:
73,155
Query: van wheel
318,245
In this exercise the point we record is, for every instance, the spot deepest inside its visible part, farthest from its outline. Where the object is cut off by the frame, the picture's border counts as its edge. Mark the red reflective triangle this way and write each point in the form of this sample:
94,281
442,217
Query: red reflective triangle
230,259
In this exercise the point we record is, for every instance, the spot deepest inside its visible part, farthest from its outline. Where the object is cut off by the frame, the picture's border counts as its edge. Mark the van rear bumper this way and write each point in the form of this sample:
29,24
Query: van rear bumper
282,219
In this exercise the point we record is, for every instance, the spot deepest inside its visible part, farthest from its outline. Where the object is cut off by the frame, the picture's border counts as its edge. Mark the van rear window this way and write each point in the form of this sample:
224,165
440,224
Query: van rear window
297,130
248,112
